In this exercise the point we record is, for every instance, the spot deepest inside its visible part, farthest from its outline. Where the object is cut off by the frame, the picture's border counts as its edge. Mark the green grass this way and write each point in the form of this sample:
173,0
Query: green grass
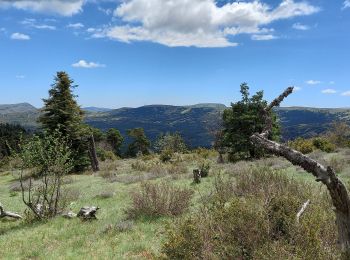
62,238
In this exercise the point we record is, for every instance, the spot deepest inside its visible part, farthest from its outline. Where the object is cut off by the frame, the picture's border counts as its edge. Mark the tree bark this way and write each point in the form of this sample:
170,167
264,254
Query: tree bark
326,175
93,155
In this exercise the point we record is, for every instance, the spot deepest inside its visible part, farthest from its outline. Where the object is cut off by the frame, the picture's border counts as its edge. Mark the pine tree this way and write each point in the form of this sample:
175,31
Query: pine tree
140,143
243,119
62,113
115,139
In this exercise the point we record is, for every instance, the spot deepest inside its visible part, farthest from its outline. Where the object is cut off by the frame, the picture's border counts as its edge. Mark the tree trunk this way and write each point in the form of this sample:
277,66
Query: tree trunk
93,155
196,176
326,175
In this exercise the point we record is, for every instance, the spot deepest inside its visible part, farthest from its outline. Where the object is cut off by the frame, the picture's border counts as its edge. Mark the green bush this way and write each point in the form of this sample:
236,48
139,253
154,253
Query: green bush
104,155
204,168
323,144
159,199
304,146
256,219
166,155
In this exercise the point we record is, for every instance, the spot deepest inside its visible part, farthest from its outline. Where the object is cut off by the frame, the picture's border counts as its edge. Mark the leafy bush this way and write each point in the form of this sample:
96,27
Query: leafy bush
104,155
204,168
304,146
256,219
323,144
166,155
49,159
156,200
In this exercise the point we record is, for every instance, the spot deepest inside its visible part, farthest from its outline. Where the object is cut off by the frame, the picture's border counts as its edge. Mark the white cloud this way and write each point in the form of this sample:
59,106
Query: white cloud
61,7
263,37
329,91
20,76
346,93
302,27
20,36
75,25
33,23
87,65
346,4
199,23
313,82
297,88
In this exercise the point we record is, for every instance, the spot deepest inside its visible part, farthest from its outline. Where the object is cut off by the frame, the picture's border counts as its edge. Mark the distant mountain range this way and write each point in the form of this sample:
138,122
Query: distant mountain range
196,123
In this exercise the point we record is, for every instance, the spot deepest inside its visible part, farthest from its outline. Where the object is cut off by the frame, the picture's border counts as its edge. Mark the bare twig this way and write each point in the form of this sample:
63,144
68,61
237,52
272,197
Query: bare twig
302,210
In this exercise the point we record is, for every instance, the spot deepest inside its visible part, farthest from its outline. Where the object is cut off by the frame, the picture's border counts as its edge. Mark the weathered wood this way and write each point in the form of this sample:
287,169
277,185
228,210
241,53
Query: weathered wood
87,213
70,214
9,214
302,210
196,176
326,175
93,155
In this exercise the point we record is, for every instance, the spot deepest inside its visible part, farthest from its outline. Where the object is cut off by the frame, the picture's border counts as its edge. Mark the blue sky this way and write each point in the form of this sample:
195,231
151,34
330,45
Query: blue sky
179,52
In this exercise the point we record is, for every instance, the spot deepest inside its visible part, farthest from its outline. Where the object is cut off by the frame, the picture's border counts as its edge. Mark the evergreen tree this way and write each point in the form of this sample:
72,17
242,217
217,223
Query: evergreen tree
243,119
140,143
62,113
115,139
170,142
10,137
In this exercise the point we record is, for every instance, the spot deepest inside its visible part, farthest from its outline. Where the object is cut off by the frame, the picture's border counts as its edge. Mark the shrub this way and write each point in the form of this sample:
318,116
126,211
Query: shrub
166,155
204,168
323,144
156,200
338,164
304,146
256,219
48,158
104,155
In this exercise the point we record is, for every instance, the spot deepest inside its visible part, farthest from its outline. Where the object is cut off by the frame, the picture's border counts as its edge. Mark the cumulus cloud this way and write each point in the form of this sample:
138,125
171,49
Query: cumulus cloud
75,25
329,91
301,27
297,88
346,93
199,23
87,65
346,4
313,82
60,7
20,36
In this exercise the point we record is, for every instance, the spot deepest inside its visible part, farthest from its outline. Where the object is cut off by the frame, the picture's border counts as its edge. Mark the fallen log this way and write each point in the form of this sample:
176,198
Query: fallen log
323,174
9,214
87,213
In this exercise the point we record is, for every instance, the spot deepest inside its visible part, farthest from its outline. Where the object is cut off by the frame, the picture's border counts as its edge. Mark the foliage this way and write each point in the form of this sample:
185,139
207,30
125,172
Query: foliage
104,155
242,120
98,134
339,134
306,146
140,143
159,199
256,219
170,142
61,112
48,158
115,139
204,168
10,138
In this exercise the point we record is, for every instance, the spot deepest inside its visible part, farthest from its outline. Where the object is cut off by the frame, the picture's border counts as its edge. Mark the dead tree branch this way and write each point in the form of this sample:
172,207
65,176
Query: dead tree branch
326,175
9,214
302,210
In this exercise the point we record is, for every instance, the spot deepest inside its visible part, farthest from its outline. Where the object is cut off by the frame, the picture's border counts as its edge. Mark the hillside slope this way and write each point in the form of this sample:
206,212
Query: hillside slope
196,123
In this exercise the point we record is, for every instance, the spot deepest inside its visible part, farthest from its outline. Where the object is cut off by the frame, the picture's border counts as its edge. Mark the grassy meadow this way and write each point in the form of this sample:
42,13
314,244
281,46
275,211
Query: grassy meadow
116,236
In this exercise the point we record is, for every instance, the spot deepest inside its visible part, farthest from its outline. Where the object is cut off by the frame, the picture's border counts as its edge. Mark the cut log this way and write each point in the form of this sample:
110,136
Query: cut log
9,214
326,175
87,213
196,176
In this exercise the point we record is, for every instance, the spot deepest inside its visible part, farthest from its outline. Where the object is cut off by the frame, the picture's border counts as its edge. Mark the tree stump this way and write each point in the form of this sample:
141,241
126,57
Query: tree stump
88,213
196,176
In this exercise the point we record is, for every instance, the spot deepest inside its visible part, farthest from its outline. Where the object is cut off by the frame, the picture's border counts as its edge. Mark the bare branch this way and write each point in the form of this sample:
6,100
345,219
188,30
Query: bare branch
302,210
9,214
